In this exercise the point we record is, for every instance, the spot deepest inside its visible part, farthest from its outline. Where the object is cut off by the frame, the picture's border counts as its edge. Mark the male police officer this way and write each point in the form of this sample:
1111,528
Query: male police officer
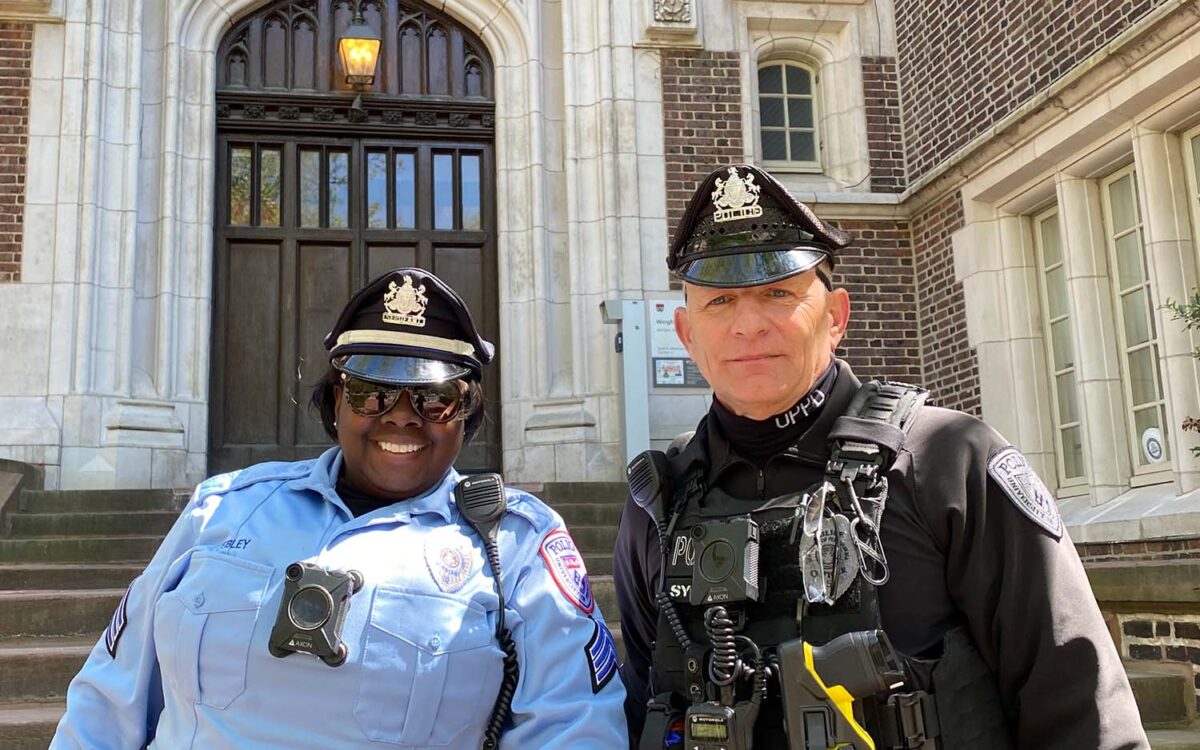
807,506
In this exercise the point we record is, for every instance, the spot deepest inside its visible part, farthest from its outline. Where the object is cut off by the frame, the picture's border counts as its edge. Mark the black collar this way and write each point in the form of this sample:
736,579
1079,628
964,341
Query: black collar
710,446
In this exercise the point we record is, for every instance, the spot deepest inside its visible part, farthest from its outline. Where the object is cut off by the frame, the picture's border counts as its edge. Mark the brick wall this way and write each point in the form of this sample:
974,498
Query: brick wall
951,370
1163,638
702,120
885,141
1155,549
883,339
16,48
965,64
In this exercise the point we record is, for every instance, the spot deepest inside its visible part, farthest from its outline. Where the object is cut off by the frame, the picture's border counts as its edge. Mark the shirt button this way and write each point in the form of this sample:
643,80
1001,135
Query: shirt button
435,642
198,600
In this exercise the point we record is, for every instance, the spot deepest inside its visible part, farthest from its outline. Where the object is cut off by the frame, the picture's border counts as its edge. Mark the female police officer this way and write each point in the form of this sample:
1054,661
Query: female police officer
349,601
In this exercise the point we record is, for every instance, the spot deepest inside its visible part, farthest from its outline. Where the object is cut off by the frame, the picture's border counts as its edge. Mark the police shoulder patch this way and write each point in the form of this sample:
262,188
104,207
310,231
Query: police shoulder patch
1013,474
567,569
116,625
601,654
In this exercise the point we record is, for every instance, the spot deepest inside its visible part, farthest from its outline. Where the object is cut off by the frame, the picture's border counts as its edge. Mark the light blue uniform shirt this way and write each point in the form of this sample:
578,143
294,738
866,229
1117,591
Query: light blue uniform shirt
191,667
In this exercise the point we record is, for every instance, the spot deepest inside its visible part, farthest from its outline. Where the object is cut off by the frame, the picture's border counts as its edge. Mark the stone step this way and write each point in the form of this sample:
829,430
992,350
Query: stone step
1175,739
28,576
591,514
41,668
64,612
100,523
598,564
29,726
594,539
1164,692
70,549
78,501
605,595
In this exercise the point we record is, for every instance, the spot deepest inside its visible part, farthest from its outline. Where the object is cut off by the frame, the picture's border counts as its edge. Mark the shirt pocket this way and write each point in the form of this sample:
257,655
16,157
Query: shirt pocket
431,669
203,628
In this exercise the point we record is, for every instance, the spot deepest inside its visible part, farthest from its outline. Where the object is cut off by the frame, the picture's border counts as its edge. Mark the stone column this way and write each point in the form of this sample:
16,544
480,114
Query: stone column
993,258
1101,396
1171,260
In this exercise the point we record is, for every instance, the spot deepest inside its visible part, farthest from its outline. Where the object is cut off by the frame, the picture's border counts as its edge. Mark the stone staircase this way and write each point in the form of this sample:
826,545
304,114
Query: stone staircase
66,558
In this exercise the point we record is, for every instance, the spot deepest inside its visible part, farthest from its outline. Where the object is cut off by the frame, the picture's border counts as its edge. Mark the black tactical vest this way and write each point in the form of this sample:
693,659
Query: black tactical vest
871,433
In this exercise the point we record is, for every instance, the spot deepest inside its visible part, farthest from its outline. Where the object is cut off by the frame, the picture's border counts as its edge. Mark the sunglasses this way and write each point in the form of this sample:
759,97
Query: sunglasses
437,402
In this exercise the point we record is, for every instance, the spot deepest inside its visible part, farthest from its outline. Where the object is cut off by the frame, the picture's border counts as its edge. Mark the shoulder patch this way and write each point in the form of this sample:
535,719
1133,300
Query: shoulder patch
116,626
601,657
1013,474
567,569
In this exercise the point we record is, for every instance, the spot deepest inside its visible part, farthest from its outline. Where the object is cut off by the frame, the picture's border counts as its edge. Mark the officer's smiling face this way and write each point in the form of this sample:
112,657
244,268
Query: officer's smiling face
396,455
762,347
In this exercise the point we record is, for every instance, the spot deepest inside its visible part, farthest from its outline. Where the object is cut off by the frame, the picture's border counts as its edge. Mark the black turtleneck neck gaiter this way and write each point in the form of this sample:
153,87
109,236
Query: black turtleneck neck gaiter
358,502
758,440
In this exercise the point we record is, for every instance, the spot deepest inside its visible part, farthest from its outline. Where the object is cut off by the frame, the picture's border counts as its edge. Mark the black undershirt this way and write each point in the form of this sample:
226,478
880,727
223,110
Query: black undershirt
358,502
759,439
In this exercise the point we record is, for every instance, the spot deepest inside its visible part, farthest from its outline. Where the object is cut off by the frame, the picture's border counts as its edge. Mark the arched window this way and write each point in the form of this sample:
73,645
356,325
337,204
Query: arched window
787,107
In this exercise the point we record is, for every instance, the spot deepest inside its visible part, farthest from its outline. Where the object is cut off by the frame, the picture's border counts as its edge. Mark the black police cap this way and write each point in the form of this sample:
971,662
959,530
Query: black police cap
743,228
407,327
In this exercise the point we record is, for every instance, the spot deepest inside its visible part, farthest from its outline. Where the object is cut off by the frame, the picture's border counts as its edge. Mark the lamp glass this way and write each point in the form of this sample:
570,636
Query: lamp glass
359,49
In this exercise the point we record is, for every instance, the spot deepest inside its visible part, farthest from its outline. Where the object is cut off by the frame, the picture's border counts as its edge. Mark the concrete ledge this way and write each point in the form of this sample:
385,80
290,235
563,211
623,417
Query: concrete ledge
1145,581
14,476
1142,513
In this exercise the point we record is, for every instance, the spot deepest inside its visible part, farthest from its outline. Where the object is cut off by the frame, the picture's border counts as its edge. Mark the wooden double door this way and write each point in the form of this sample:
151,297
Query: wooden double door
301,224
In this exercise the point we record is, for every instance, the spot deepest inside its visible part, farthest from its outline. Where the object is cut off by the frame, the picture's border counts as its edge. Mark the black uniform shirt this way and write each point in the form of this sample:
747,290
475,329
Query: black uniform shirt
960,552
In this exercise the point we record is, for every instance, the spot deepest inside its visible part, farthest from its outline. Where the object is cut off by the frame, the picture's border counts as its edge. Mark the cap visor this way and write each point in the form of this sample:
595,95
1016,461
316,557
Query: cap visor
401,370
750,268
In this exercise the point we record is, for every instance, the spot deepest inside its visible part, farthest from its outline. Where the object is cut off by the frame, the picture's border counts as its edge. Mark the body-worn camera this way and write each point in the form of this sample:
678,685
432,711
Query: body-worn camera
726,561
312,611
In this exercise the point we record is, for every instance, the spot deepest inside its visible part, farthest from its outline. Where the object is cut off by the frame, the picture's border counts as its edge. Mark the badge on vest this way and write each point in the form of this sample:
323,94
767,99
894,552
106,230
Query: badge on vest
567,569
1013,474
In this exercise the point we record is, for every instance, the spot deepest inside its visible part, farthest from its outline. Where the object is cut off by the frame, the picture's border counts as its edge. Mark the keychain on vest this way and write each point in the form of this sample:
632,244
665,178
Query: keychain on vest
828,556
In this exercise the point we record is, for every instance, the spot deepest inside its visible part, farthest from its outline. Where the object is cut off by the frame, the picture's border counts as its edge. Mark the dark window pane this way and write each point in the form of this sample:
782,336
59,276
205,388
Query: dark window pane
237,71
269,186
800,113
774,144
443,191
799,80
339,189
240,185
310,188
770,80
304,51
804,147
472,216
377,190
474,81
439,62
411,64
275,52
771,111
406,191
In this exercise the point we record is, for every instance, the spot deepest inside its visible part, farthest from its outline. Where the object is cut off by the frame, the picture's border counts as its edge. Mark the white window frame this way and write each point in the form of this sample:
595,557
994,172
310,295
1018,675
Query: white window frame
1067,486
1193,183
1154,473
814,96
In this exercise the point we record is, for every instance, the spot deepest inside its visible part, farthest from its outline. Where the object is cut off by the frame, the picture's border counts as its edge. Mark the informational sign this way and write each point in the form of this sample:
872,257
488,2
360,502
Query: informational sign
668,356
1152,446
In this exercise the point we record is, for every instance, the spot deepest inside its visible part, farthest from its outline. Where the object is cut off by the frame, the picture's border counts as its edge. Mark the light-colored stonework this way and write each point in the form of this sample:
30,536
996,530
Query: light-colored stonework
1129,105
